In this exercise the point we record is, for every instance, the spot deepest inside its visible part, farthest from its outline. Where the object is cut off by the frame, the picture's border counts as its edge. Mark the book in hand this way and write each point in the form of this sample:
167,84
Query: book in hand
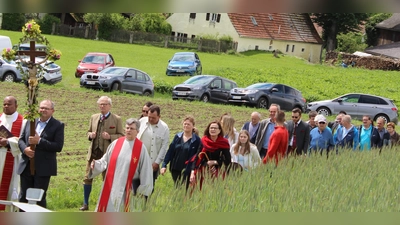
4,132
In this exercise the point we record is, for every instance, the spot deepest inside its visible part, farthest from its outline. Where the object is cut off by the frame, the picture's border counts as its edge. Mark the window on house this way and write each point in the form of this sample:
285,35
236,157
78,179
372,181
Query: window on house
192,16
302,50
173,33
287,48
215,17
253,20
207,16
193,36
292,48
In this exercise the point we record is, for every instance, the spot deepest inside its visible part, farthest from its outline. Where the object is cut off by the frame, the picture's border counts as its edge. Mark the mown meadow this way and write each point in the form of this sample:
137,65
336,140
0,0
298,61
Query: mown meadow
350,181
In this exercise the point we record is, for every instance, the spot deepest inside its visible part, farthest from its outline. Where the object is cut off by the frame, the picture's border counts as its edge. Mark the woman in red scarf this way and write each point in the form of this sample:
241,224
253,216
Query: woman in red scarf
214,153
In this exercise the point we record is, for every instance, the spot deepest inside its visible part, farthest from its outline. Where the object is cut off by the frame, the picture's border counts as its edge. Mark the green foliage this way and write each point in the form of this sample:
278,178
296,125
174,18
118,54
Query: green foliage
226,38
155,23
335,23
351,42
46,23
13,21
109,22
371,31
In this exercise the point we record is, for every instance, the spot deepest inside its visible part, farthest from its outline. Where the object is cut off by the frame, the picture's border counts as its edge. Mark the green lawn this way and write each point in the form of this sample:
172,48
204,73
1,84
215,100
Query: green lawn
359,182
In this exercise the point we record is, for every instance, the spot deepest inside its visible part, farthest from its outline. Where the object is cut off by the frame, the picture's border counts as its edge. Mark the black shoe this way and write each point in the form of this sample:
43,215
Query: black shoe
84,207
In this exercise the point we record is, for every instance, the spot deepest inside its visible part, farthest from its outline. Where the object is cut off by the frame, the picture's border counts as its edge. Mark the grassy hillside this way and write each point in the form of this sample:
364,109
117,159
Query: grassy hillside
316,82
348,182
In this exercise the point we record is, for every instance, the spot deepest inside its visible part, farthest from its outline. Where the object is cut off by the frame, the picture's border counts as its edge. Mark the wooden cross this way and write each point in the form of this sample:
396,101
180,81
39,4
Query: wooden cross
32,83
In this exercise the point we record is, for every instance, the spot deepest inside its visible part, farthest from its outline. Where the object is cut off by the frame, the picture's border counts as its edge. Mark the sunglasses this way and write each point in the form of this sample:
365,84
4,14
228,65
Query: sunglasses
145,111
321,122
295,117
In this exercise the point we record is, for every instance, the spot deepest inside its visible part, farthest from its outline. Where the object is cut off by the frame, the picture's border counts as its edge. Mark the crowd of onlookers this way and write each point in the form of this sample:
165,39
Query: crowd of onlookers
130,156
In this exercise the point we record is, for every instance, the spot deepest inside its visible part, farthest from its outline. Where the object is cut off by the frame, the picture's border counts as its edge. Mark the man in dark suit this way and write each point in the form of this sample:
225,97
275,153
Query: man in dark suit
104,128
49,139
299,134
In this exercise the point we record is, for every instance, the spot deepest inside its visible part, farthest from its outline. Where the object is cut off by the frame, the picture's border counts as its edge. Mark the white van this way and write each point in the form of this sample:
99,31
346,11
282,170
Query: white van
5,42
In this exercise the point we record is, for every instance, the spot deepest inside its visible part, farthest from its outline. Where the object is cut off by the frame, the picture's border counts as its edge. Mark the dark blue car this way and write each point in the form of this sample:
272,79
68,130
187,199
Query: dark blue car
184,63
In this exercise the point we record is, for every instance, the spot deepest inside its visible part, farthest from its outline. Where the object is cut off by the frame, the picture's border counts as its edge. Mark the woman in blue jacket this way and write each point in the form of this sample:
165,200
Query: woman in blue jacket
184,146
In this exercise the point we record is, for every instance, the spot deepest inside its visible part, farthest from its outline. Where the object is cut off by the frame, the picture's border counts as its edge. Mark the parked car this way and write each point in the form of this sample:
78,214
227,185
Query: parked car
50,71
357,105
27,47
121,79
262,95
94,62
204,88
9,71
184,63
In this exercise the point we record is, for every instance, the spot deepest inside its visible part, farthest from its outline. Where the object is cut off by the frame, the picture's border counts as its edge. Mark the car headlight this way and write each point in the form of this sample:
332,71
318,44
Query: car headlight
251,91
105,77
196,88
80,68
192,66
170,67
100,68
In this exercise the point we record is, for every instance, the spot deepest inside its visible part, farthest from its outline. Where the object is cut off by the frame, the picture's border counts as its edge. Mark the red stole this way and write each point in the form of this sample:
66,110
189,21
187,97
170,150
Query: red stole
9,162
108,181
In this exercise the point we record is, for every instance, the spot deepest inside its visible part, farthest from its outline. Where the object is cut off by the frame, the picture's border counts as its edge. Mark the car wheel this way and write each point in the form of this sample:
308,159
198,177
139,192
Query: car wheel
385,117
146,93
204,98
115,87
324,111
262,103
9,77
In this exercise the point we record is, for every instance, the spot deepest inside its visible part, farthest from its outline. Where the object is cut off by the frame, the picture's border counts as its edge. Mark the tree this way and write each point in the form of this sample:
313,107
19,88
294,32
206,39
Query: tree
351,42
13,21
371,31
155,23
107,23
335,23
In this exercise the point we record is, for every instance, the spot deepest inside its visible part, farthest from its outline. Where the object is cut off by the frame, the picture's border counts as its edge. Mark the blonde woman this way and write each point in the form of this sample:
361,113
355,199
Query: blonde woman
228,127
244,152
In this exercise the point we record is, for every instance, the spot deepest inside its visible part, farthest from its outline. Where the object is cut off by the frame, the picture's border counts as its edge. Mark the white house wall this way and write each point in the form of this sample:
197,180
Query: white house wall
308,51
181,23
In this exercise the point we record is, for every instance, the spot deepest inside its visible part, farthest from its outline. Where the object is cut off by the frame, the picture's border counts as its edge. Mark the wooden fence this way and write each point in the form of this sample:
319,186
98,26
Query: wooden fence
159,40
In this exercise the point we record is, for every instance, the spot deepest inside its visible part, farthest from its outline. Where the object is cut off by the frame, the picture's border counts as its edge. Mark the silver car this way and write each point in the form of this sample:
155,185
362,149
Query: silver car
120,79
9,71
357,105
51,72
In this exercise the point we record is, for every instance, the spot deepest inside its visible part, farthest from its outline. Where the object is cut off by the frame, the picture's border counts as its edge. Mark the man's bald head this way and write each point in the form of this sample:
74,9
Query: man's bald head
10,105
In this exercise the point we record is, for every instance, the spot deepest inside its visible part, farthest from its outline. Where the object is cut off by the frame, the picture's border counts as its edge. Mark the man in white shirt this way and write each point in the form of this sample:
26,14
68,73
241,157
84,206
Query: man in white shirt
154,133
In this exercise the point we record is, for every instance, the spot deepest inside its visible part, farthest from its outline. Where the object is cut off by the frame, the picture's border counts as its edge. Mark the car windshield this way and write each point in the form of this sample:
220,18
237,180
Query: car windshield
95,59
181,58
50,65
114,71
199,80
12,62
260,86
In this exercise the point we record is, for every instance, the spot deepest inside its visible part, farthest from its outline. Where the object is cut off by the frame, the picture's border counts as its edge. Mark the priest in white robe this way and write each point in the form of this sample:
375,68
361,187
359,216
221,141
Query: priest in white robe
126,159
10,154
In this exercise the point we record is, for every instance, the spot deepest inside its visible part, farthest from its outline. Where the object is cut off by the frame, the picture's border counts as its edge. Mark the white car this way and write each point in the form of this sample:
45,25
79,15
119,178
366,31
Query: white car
51,71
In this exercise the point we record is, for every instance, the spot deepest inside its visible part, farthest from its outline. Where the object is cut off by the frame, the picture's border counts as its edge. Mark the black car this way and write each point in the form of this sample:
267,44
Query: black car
262,95
204,88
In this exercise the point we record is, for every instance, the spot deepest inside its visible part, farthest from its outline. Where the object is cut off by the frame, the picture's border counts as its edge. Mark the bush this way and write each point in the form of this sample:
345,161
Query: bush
351,42
13,21
46,24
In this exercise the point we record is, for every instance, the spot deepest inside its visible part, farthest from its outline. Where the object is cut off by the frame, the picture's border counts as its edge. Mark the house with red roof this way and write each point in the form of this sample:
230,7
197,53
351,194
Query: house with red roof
291,33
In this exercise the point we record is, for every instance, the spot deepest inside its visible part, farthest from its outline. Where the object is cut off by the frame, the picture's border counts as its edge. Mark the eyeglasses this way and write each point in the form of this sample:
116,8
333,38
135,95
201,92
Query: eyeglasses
214,128
295,117
44,108
145,111
321,122
103,104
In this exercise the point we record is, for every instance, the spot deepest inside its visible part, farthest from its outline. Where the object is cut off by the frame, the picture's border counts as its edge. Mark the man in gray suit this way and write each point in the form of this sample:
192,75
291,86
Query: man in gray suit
266,128
299,134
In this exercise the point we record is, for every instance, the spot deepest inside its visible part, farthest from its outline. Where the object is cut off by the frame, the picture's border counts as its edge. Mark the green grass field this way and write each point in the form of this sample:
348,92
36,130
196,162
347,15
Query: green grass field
356,182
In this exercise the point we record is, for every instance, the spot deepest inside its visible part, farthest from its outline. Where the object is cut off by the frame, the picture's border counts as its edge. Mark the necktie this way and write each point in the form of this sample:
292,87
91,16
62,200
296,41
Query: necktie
294,136
103,118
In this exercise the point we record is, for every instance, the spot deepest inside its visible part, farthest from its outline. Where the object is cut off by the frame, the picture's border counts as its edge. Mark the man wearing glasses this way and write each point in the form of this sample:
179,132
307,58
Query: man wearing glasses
299,134
104,128
49,139
145,109
321,137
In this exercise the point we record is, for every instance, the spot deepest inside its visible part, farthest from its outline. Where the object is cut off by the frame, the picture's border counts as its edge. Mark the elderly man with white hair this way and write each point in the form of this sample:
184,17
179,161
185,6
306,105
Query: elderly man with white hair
346,135
253,125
